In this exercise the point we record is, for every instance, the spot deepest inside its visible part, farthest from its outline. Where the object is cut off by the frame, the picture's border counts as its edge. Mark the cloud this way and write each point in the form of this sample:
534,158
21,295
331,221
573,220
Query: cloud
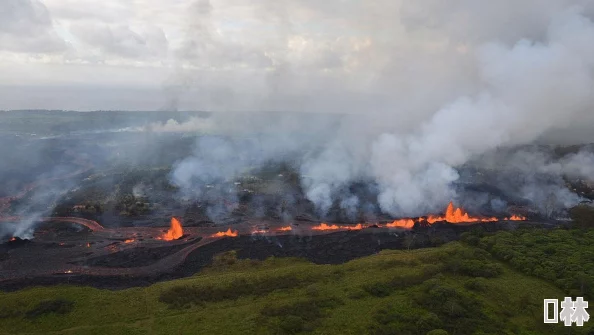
119,40
107,11
401,59
26,26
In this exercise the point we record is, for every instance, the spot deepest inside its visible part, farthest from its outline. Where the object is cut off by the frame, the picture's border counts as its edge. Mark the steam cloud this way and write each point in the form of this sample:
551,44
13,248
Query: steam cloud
514,80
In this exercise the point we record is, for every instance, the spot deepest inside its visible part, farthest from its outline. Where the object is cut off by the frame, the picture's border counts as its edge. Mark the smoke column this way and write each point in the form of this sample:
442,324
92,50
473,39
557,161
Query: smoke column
481,84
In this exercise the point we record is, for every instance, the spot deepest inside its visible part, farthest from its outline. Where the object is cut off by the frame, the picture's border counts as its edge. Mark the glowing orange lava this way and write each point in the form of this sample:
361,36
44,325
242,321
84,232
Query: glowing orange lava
325,226
516,218
176,231
287,228
129,241
13,239
228,233
357,227
452,215
458,215
404,223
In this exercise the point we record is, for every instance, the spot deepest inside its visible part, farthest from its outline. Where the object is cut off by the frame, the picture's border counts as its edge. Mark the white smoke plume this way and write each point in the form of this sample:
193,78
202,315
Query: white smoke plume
528,88
195,124
482,83
539,175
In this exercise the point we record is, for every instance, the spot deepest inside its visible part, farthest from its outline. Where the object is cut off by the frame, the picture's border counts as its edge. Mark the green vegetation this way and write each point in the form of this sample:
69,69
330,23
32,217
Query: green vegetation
563,257
58,306
582,216
453,289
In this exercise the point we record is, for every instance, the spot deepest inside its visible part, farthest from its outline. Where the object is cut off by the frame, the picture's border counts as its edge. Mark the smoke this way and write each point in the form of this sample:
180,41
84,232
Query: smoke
528,88
42,199
195,124
578,165
536,175
518,79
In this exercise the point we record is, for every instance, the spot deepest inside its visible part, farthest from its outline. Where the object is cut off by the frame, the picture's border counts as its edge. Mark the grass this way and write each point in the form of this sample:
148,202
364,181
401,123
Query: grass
453,289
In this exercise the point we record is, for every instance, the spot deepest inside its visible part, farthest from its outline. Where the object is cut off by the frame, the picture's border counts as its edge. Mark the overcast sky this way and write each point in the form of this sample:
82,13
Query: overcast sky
335,55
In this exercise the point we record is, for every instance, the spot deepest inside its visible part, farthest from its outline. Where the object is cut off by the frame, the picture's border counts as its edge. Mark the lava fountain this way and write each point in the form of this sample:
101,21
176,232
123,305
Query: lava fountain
228,233
454,215
175,231
458,215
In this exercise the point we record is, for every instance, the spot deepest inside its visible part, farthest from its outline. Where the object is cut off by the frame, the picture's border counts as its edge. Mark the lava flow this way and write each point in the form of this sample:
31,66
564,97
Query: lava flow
176,231
325,226
228,233
452,215
515,218
357,227
404,223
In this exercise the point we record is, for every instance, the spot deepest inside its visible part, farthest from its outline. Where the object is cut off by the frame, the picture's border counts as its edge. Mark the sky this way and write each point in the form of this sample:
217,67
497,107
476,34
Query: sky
302,55
88,54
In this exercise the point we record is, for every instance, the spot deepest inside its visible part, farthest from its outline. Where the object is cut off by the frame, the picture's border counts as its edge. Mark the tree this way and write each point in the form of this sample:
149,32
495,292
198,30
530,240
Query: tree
582,216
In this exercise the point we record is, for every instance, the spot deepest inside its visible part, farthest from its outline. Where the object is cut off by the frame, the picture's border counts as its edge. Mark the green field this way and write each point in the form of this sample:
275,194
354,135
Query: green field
457,288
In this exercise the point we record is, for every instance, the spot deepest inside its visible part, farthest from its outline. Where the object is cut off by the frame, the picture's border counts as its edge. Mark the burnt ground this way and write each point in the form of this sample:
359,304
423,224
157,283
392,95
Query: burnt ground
333,248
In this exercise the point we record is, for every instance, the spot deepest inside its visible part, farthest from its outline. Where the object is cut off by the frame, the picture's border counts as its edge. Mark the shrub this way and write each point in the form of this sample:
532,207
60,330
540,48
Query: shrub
379,290
459,311
402,319
470,238
291,324
55,306
582,216
396,262
476,284
225,259
295,316
357,293
480,269
438,332
384,289
428,321
313,290
186,296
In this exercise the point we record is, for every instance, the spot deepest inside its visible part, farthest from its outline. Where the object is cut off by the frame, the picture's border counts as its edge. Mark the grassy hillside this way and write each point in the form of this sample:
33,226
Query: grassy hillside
456,288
